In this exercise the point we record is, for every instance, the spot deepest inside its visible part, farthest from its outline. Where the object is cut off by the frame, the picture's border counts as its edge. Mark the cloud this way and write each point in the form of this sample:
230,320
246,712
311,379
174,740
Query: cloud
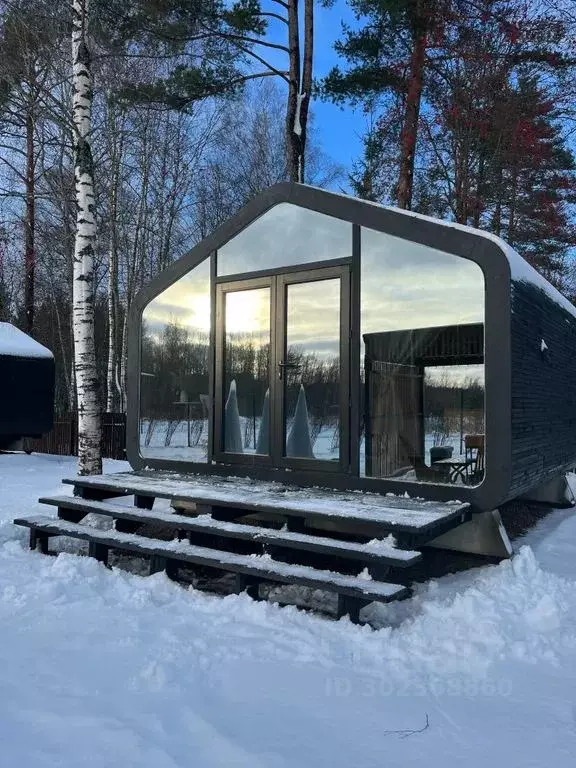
284,236
403,284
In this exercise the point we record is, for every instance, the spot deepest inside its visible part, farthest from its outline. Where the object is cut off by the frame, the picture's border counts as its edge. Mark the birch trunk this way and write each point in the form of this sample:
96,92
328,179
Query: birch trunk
29,225
113,393
89,417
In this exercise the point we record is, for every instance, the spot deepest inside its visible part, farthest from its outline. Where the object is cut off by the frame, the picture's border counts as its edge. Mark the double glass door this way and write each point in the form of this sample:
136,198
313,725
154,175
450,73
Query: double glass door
282,347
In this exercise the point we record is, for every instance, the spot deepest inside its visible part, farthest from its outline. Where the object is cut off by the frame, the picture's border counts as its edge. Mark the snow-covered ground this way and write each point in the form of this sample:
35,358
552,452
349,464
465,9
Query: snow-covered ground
105,668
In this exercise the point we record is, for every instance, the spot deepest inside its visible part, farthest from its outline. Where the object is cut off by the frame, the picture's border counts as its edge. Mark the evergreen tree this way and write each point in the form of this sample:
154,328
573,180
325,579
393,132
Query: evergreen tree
203,42
214,48
534,177
387,58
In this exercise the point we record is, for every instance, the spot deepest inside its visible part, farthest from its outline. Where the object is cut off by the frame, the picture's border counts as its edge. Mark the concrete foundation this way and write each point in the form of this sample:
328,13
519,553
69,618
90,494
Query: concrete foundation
555,492
484,535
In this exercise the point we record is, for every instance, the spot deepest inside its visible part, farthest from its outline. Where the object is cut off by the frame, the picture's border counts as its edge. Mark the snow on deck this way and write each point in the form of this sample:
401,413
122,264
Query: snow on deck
383,547
15,343
259,563
399,511
104,668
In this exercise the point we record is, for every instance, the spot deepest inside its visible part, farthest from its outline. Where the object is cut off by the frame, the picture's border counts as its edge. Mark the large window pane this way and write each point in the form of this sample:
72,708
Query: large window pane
311,371
174,376
246,404
422,324
284,236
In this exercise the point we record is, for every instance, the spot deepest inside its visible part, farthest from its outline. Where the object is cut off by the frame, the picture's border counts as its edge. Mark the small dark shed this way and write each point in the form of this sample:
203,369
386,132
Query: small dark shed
26,387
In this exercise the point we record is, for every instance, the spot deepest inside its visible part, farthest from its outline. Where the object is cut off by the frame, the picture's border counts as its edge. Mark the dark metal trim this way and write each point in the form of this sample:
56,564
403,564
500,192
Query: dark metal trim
355,382
277,284
475,246
311,276
212,358
311,265
219,454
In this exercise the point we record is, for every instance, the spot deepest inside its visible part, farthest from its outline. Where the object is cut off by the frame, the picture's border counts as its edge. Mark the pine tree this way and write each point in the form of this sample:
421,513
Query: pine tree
535,177
224,46
387,58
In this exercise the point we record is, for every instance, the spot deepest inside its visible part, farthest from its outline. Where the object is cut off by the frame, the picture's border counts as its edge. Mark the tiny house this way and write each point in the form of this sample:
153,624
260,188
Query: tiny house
26,387
334,346
328,341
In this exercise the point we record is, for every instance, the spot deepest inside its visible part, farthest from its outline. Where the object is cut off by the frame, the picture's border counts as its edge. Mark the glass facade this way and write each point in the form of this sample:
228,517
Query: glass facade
246,423
280,346
422,332
174,375
280,363
285,236
311,376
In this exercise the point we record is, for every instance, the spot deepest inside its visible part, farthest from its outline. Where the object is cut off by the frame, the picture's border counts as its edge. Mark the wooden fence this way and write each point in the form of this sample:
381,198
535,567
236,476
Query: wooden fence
63,439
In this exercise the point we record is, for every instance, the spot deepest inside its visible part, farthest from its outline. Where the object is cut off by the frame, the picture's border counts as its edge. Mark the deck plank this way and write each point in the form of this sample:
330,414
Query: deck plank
395,513
251,565
377,551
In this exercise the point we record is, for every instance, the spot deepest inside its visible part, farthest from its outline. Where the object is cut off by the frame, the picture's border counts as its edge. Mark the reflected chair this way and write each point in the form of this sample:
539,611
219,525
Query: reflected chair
475,458
437,454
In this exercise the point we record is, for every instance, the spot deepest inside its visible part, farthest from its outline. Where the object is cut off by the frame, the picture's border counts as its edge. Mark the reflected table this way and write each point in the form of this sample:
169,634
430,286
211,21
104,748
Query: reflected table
457,467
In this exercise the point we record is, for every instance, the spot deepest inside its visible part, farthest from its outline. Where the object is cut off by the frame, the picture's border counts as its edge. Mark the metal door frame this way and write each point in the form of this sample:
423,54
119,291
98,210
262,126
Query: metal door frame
223,288
295,278
278,281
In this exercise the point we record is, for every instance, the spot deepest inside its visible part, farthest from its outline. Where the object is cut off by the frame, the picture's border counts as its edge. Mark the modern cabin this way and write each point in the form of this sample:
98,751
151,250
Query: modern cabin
327,341
26,387
319,340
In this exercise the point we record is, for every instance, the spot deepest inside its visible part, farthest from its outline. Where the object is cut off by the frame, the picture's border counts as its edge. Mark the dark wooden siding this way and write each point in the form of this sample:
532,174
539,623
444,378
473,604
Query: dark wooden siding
543,417
26,395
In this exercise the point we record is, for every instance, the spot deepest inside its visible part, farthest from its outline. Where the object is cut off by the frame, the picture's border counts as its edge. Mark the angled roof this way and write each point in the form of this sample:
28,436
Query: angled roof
491,252
15,343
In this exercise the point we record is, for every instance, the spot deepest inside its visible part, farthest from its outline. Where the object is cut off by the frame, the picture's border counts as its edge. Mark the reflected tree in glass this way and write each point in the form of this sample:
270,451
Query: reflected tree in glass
246,368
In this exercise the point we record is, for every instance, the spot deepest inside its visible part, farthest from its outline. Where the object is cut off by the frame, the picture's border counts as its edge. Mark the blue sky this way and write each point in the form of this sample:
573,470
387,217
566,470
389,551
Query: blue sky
339,129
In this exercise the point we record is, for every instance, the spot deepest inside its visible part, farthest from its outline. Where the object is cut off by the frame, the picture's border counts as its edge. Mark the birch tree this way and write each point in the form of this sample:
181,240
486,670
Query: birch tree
26,64
89,420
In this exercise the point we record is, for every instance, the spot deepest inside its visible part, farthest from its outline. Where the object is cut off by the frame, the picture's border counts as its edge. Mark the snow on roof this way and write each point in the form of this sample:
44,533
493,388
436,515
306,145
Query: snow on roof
520,269
16,343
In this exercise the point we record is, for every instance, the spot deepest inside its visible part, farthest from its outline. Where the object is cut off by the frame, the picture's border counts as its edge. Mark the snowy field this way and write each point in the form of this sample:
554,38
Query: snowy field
104,668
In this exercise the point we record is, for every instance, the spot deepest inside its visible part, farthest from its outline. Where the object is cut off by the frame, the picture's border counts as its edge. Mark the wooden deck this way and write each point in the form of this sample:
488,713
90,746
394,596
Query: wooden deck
262,533
376,552
389,513
179,553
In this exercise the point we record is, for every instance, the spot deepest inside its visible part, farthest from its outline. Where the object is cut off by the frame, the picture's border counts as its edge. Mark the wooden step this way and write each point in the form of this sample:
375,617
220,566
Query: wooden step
181,553
380,552
388,514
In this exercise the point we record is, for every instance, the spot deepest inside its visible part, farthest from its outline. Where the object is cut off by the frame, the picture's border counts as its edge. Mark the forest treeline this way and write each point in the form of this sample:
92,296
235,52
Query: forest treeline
129,129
